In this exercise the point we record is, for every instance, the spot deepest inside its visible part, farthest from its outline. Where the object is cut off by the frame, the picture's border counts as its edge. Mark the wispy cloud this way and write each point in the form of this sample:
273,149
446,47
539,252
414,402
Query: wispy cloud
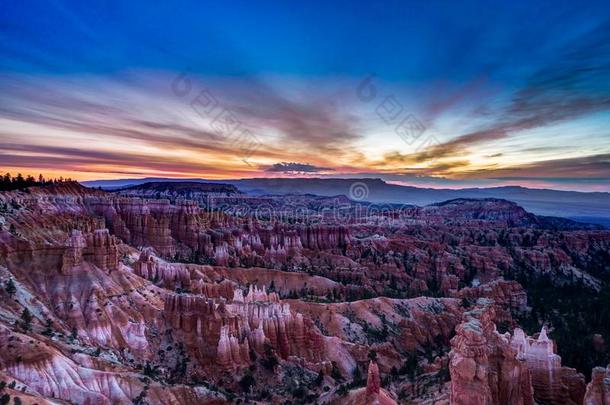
151,120
573,84
585,167
294,167
92,96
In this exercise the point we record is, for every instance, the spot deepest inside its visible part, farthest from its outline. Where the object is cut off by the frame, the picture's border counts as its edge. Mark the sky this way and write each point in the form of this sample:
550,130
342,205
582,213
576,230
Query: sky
434,94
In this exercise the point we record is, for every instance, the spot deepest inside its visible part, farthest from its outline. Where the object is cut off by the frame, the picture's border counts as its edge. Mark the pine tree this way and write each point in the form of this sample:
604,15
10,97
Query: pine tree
74,334
26,319
246,382
48,331
357,376
10,287
335,373
319,378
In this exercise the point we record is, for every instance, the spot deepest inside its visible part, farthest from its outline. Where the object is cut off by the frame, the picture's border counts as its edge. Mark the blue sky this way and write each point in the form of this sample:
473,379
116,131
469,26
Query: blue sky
505,93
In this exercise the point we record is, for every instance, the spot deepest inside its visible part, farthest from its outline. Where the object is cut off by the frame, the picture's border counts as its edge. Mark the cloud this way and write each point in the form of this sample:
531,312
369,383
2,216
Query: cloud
317,119
294,167
149,116
144,126
573,84
583,168
57,158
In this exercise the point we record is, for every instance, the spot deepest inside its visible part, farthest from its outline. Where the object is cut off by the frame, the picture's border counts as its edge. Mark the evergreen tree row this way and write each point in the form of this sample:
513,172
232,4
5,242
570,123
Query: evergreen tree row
8,182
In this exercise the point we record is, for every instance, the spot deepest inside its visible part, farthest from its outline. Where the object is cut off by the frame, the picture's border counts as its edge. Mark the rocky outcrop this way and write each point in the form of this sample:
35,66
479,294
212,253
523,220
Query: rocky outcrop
225,331
42,369
102,250
552,383
170,275
138,222
491,368
324,237
373,383
469,365
598,390
372,394
484,368
73,256
410,324
508,298
129,297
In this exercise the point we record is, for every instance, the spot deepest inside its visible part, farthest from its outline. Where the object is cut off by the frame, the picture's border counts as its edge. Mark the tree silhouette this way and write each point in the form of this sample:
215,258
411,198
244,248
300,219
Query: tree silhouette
10,287
8,183
26,319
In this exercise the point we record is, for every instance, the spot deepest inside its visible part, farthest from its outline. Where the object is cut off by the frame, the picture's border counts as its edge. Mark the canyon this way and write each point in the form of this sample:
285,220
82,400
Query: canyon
194,293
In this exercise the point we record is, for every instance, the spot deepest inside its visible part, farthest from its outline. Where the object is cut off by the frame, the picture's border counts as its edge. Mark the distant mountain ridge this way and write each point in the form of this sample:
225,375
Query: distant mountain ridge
184,186
456,211
593,207
495,209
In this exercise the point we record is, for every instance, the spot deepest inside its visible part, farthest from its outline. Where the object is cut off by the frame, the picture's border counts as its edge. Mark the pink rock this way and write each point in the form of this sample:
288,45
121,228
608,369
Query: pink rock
598,390
484,368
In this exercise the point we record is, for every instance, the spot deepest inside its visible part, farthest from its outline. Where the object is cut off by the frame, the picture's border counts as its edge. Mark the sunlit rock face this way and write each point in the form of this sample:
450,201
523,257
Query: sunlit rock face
117,299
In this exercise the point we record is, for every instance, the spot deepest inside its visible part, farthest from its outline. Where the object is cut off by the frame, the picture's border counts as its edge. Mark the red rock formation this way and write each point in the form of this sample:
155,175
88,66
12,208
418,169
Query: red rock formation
47,372
324,237
373,384
229,351
508,294
102,250
410,324
246,322
73,256
469,365
490,368
152,268
552,383
372,394
484,368
509,297
138,222
598,390
126,315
